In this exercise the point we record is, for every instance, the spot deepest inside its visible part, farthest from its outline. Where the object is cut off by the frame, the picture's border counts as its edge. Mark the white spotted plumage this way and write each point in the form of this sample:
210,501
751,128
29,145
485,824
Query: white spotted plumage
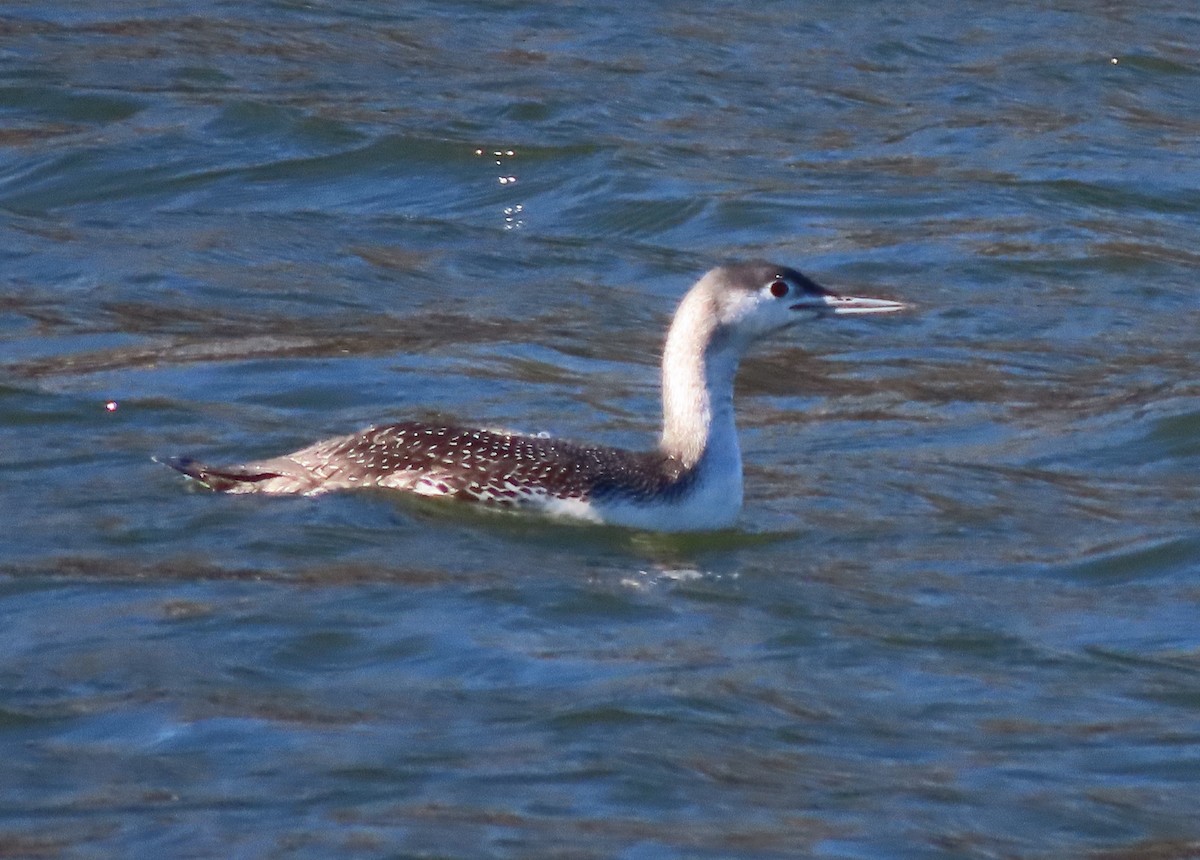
692,481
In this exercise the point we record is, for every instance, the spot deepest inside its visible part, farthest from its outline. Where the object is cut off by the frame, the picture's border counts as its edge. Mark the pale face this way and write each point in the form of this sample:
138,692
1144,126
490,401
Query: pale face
761,298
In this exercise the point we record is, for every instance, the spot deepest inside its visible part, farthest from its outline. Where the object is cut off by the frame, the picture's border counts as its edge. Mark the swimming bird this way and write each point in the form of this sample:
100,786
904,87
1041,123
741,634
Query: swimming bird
691,482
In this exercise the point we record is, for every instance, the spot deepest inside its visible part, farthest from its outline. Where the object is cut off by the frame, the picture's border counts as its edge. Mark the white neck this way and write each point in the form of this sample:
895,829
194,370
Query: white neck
699,363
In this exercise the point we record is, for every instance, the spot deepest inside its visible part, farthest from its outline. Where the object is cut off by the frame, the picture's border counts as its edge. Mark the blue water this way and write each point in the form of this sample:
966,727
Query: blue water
958,615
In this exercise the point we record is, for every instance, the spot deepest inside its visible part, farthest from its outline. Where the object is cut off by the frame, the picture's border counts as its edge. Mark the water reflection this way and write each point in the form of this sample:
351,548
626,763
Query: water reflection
957,616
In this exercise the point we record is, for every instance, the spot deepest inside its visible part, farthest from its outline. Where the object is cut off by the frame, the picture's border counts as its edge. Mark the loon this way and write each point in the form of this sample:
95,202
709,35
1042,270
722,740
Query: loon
691,482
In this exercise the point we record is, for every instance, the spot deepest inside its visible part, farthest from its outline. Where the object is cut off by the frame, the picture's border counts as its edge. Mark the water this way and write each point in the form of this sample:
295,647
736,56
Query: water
958,615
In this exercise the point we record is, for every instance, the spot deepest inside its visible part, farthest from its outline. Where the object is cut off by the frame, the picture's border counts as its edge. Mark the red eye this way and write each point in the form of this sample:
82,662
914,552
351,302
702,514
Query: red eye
779,289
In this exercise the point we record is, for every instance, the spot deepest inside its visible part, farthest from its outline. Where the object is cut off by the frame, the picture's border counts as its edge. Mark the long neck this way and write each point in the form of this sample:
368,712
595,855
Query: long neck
699,363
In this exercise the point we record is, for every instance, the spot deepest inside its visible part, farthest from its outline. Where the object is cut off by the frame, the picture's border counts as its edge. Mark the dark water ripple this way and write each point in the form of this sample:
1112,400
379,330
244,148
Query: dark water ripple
958,615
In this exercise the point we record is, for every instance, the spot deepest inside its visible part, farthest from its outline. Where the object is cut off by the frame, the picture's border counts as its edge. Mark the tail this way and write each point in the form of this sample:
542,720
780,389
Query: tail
226,479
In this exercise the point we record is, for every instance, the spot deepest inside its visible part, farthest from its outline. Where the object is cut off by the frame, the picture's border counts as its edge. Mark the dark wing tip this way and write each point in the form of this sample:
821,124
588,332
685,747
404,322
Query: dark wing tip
219,479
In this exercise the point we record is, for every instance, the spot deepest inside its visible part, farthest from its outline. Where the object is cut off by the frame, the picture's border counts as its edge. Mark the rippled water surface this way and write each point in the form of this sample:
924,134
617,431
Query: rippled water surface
958,616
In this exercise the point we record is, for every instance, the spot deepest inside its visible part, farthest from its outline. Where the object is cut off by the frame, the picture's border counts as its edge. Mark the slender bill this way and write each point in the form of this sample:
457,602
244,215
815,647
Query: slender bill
835,304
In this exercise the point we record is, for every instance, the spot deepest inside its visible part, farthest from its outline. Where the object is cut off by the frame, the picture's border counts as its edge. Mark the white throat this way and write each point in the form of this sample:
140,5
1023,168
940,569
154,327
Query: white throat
699,363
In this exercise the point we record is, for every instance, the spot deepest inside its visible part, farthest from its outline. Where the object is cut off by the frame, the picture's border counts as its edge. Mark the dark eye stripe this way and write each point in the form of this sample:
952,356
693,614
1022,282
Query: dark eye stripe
779,289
